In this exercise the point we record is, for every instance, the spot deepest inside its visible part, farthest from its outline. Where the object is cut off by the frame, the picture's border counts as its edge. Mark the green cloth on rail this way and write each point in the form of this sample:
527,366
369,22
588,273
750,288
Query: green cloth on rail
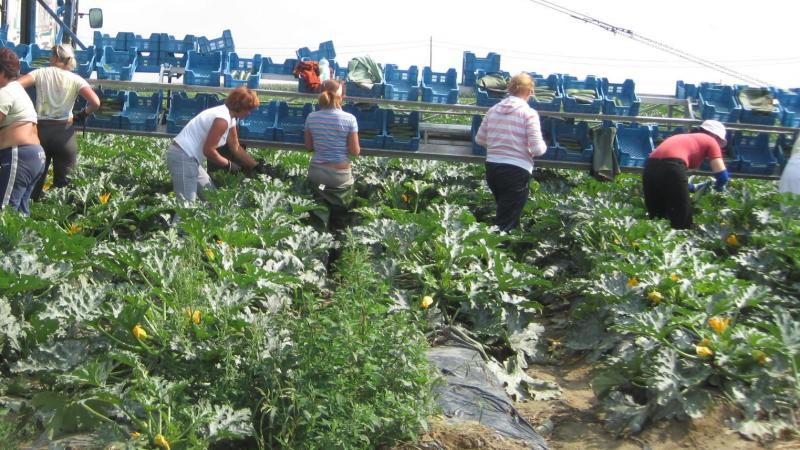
759,100
582,96
544,94
364,71
495,84
605,165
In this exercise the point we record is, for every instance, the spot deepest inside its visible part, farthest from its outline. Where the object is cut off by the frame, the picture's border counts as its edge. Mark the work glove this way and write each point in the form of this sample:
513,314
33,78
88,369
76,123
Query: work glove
233,167
261,168
79,117
722,180
692,188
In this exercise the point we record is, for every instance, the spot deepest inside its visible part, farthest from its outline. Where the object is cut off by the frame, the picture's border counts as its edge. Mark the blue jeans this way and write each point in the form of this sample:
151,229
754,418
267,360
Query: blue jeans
510,185
20,169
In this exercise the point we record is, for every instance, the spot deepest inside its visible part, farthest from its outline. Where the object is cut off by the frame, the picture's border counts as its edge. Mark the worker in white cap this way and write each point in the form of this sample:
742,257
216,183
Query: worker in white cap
665,179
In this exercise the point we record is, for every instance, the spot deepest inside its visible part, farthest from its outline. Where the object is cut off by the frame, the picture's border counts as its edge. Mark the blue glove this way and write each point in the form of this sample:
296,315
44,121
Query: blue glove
692,187
722,180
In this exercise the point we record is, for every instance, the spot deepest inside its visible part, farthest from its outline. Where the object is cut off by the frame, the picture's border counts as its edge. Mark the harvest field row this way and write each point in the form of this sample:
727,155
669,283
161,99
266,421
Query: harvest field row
253,326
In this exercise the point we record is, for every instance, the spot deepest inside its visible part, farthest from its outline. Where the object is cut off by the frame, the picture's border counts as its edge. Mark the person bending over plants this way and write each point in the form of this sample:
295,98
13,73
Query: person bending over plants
21,155
198,142
665,180
512,135
56,90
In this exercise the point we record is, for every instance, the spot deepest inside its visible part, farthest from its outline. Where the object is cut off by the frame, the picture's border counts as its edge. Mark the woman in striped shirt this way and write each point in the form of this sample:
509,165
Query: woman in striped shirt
512,135
332,135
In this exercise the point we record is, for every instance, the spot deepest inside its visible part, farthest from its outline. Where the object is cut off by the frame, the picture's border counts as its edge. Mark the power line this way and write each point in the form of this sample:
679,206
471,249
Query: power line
651,42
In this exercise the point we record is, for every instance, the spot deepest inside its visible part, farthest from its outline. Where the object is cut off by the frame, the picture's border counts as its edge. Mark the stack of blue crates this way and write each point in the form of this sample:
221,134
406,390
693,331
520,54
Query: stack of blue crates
183,108
353,89
401,84
101,41
634,143
105,118
222,44
717,102
572,141
371,122
472,67
284,68
553,83
291,122
660,134
249,66
117,65
484,98
790,102
325,50
590,83
685,90
147,52
750,115
174,52
23,52
85,62
203,69
260,124
141,113
439,87
754,153
401,131
620,98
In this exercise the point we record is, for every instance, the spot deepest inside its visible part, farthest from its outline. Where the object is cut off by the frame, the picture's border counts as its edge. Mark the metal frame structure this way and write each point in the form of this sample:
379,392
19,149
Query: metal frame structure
66,17
440,141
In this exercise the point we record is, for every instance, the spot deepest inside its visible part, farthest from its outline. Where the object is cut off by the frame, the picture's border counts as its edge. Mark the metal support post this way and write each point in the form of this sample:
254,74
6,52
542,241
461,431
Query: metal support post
66,28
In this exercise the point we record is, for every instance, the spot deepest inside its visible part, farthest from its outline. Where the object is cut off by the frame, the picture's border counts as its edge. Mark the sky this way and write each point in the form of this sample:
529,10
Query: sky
759,39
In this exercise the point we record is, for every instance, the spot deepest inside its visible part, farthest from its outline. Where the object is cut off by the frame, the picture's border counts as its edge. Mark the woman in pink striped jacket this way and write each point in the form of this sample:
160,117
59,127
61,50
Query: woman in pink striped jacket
512,135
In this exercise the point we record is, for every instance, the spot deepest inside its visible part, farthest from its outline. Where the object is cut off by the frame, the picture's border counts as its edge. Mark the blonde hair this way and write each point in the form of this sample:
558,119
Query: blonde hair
65,56
520,83
330,96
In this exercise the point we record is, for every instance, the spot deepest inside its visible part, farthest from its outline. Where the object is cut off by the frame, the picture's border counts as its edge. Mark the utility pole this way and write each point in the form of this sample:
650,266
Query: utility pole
430,47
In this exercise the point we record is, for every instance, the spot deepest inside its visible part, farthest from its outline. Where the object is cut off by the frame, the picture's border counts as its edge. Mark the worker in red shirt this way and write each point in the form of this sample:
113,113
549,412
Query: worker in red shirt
665,180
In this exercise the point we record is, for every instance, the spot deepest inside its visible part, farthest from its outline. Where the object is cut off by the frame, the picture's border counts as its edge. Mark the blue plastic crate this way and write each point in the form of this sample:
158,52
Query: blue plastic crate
183,108
203,69
717,102
685,90
401,84
119,42
37,58
352,89
284,68
620,98
571,103
439,87
85,62
790,103
754,153
117,65
371,120
221,44
401,131
169,44
260,123
572,141
552,83
249,66
112,103
23,52
471,63
291,122
325,50
141,113
634,144
749,115
340,73
661,133
476,125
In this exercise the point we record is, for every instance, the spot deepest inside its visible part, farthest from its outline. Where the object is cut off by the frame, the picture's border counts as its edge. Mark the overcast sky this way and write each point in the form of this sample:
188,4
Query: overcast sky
759,39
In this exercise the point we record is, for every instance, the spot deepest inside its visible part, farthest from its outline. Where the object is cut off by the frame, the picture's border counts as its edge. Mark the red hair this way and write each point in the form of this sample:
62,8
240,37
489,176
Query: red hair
242,99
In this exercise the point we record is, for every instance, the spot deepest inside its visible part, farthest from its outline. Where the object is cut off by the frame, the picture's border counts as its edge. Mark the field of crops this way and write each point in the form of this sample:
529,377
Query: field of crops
250,326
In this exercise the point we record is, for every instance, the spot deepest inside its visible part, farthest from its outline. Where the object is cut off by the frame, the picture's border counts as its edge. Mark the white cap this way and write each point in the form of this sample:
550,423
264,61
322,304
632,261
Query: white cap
716,128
